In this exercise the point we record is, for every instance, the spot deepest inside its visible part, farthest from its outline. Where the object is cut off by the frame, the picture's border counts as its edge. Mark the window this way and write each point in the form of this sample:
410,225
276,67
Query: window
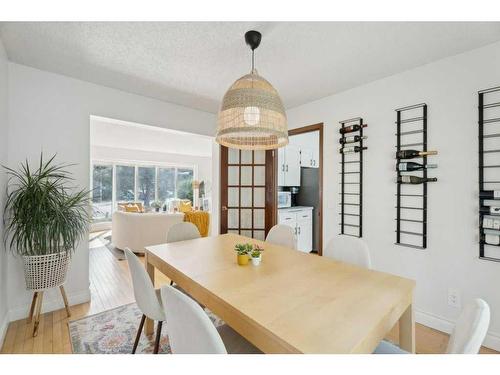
102,192
137,183
146,185
185,184
166,183
125,183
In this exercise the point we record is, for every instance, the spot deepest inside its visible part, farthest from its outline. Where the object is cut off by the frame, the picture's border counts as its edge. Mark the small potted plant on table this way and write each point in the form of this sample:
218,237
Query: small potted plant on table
256,255
156,205
243,250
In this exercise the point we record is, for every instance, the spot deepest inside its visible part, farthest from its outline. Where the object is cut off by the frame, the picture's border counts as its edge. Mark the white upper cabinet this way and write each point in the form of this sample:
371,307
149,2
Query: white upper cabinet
289,166
308,158
281,166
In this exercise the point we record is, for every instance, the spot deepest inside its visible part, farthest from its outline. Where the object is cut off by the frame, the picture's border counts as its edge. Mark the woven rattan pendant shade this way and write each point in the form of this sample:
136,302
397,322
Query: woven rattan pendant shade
252,116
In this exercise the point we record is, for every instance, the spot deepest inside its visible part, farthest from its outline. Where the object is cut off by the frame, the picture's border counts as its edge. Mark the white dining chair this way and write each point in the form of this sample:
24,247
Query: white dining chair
182,232
467,336
190,330
282,235
350,250
147,298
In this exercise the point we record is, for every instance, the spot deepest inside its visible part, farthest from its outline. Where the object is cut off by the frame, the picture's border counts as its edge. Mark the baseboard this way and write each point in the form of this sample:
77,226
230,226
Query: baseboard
4,324
52,304
439,323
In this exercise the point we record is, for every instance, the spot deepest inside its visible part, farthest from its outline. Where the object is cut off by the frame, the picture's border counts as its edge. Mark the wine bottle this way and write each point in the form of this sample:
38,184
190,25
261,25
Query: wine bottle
491,222
415,180
491,239
411,166
348,150
410,154
352,128
489,194
351,139
491,210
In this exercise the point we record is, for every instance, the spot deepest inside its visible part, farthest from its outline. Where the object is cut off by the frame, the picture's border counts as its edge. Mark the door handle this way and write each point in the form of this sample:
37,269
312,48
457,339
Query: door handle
287,167
282,167
299,229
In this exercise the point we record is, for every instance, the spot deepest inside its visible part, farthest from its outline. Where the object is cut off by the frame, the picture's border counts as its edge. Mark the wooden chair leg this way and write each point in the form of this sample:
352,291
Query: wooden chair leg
158,335
37,314
65,298
139,331
32,308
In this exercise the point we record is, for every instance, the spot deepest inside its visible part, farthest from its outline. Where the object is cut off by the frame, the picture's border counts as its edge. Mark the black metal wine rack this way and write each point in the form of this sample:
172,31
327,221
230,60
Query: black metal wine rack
489,119
417,234
351,188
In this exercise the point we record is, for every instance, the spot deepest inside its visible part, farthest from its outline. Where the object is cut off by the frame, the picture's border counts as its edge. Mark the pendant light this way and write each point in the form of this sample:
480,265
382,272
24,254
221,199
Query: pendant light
252,116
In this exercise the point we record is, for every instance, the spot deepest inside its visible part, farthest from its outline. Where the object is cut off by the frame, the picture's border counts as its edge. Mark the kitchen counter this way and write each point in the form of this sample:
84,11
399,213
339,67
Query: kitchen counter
296,208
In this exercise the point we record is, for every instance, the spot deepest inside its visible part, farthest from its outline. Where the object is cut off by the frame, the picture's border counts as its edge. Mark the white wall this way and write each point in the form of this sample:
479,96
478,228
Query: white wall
3,160
449,87
51,112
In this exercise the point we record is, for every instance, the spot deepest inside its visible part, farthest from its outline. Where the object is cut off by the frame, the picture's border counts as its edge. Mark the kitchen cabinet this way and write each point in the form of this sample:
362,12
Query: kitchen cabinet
301,221
289,166
308,158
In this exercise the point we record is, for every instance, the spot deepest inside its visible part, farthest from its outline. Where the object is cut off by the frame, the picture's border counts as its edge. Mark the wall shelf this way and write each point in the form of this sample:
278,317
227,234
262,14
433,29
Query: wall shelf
351,176
416,137
488,170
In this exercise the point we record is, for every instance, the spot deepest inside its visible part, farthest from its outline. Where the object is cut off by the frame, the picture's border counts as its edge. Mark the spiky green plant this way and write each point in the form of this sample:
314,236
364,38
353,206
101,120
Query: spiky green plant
43,215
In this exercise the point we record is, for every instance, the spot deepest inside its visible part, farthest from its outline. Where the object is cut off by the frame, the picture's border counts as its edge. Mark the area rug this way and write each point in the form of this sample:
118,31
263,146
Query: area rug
114,331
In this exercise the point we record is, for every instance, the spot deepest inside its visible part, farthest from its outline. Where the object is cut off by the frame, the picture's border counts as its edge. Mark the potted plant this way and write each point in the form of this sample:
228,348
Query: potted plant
256,255
156,205
44,217
242,251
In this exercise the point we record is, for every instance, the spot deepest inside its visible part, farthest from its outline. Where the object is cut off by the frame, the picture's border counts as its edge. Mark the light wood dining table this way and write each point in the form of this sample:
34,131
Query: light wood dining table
292,302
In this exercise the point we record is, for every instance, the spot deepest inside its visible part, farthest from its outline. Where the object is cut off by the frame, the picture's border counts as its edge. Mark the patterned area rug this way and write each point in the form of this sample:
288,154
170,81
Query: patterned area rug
114,331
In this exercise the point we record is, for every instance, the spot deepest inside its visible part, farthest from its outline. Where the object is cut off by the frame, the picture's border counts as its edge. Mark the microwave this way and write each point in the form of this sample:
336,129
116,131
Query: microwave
284,199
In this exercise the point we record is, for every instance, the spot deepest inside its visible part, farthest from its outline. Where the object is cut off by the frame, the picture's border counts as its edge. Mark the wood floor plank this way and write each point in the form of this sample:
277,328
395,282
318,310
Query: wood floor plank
20,335
48,333
38,340
111,286
10,337
57,344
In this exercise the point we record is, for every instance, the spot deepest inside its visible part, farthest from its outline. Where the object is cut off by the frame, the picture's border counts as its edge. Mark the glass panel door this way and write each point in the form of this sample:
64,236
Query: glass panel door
246,209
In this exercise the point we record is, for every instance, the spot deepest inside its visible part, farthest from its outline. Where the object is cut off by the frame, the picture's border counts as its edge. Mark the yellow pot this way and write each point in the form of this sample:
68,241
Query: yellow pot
243,260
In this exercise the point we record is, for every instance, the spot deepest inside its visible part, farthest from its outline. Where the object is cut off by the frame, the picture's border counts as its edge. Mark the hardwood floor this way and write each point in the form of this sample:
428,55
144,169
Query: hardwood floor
110,286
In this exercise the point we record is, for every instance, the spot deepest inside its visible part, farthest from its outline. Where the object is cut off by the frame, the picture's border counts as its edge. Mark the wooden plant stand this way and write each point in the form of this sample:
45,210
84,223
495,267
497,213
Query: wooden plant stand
36,308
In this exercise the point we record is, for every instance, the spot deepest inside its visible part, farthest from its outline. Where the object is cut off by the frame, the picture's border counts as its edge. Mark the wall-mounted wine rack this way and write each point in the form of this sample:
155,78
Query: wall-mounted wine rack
411,199
351,185
489,173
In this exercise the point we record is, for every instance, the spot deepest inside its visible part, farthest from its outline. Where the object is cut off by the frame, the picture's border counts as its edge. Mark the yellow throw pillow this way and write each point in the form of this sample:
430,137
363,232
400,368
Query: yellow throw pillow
132,208
185,206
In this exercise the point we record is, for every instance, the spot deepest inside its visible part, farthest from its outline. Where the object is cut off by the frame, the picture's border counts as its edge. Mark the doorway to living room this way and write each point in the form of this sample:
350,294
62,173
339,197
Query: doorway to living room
141,178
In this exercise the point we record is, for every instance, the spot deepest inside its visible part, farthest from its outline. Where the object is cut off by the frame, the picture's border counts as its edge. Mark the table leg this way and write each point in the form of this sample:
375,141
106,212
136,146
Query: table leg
149,326
407,330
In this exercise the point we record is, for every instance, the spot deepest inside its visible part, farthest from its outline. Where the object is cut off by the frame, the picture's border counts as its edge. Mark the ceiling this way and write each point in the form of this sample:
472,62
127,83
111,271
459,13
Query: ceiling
193,63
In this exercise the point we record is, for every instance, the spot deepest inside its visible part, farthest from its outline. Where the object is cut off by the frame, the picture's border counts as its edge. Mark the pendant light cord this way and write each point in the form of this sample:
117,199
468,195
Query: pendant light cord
253,58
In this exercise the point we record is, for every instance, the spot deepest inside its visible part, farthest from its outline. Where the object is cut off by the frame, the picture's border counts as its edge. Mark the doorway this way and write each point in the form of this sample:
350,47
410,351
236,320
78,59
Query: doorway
299,185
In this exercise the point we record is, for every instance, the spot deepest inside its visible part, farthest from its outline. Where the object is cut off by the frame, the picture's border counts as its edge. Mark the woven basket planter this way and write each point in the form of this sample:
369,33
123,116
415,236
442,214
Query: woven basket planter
46,271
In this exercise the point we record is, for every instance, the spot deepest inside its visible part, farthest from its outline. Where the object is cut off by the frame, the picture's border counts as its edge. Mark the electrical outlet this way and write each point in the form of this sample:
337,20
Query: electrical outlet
454,298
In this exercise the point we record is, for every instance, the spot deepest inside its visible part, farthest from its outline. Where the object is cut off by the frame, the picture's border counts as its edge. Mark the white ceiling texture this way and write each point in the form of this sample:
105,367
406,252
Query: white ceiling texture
193,63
